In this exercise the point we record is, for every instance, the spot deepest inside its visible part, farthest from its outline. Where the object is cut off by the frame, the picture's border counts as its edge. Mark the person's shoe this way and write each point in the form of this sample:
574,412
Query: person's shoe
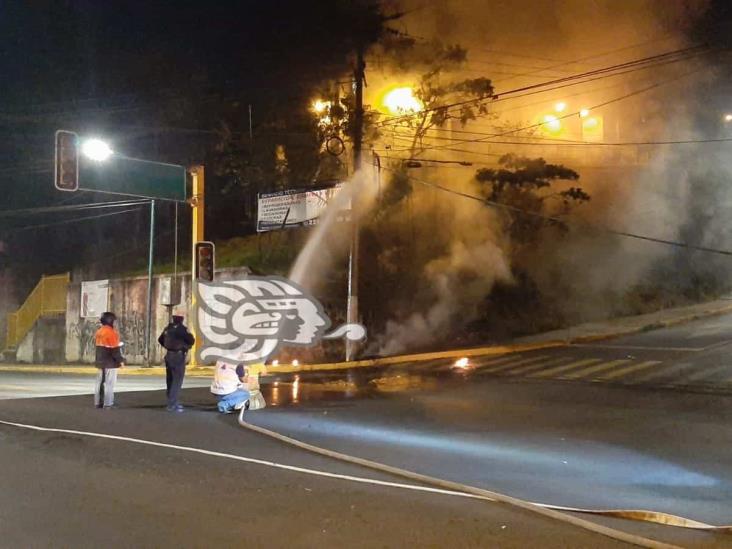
110,407
176,408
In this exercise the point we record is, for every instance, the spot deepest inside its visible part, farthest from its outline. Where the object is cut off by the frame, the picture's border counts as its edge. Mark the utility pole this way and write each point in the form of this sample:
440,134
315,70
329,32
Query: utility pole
352,305
150,258
197,207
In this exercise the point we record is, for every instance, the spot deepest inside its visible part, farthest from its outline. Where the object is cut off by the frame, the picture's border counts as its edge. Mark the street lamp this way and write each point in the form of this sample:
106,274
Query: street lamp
96,149
402,101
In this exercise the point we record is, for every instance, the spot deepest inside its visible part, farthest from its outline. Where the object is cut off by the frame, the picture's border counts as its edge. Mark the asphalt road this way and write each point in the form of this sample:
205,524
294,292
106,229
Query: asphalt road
637,422
68,490
33,385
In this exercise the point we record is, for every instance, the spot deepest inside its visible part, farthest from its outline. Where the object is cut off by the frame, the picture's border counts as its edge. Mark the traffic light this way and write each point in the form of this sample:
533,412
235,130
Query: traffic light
66,171
205,261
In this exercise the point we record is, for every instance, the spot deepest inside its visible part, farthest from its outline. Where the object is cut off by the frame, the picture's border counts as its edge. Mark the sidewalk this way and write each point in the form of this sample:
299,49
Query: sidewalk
590,331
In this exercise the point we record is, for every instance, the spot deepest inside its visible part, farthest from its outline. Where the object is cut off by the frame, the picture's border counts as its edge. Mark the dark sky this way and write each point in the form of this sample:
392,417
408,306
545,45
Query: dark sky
157,77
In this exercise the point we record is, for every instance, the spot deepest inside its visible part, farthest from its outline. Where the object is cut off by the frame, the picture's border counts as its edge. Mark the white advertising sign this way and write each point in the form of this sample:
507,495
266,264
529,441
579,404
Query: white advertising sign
293,208
94,298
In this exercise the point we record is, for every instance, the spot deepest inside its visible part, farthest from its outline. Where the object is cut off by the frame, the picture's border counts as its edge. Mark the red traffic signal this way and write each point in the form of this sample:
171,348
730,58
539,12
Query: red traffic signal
205,261
66,169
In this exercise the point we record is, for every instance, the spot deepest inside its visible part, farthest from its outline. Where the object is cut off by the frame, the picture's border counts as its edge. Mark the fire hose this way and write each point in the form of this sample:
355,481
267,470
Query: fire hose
555,512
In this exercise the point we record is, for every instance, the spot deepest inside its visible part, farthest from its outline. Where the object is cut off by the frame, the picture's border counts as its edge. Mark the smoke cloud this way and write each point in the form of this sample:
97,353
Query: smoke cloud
457,252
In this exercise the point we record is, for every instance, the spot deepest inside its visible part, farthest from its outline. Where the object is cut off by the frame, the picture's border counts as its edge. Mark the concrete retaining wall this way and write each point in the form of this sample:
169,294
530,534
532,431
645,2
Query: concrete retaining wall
128,300
44,343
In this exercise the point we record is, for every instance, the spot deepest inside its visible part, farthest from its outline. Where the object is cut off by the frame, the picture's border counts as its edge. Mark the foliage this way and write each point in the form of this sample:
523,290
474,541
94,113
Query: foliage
443,96
521,185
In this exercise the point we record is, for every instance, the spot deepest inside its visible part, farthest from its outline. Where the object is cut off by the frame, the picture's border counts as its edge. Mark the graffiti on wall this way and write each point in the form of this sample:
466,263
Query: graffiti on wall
84,331
131,330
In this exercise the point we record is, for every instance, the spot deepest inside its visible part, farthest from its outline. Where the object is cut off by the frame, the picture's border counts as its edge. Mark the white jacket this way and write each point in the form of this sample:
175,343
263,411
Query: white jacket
227,378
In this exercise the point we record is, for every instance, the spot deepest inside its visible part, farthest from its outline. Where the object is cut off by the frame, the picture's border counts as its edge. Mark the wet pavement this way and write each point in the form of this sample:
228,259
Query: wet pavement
643,421
71,490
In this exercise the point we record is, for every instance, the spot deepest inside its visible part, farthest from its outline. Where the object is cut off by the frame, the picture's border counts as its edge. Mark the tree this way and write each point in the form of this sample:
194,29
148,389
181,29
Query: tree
442,96
522,185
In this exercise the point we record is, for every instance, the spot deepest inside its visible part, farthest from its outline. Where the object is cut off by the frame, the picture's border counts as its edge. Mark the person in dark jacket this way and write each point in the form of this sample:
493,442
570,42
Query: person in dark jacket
108,360
177,341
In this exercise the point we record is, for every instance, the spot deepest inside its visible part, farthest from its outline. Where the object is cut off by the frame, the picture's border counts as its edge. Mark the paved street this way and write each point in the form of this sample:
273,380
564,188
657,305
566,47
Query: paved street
695,356
33,385
638,422
93,492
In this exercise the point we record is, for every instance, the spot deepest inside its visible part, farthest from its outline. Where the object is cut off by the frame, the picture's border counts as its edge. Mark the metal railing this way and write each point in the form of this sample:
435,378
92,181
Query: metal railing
47,298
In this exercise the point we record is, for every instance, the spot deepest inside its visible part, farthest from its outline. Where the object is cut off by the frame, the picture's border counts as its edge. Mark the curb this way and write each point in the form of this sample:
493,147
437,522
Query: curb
196,371
205,371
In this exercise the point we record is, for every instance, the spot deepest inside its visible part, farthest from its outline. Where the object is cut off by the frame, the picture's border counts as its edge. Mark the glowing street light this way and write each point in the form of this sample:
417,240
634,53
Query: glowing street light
584,113
559,107
552,123
728,117
319,106
96,149
402,100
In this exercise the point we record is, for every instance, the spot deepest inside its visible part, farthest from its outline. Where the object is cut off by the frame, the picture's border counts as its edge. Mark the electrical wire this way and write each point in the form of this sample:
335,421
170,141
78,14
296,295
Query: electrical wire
569,143
556,219
563,117
590,76
66,221
72,207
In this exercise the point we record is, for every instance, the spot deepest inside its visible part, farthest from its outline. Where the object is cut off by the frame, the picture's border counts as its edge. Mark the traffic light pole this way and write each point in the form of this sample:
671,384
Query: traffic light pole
197,208
150,259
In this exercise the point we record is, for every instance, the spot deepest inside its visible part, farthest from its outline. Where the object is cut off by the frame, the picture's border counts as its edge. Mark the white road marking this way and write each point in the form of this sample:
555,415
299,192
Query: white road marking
643,348
266,463
662,518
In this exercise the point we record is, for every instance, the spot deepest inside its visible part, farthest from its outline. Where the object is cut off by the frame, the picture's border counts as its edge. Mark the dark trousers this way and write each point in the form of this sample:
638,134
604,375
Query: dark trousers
175,371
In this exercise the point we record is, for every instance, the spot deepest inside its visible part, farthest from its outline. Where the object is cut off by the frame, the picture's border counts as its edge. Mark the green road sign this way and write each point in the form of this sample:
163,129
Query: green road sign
133,177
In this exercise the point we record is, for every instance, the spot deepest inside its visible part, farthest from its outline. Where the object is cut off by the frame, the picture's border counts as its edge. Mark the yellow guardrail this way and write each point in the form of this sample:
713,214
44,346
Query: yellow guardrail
47,298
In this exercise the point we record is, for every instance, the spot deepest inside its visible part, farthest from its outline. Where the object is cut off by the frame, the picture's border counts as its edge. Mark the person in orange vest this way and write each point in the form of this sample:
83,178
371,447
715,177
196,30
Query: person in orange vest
108,360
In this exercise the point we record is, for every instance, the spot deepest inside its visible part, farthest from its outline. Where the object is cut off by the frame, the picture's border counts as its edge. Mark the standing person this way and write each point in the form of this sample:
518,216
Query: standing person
177,341
108,359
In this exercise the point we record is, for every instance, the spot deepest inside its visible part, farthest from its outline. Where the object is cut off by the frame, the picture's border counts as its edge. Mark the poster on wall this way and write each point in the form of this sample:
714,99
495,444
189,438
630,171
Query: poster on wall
94,298
294,207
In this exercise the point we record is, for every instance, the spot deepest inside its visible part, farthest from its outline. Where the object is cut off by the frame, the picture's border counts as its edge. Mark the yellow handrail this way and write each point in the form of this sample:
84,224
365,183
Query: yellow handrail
47,298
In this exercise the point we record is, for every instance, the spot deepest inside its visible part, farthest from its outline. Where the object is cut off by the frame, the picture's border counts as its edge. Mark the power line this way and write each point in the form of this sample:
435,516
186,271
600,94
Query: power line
606,53
568,143
501,97
555,219
569,115
605,72
73,207
66,221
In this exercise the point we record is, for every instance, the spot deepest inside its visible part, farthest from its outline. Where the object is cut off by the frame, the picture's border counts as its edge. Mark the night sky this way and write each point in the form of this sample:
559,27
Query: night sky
160,80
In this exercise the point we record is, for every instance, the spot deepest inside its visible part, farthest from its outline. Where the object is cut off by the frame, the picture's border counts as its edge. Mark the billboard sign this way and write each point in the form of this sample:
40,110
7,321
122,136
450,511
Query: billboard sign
294,207
94,298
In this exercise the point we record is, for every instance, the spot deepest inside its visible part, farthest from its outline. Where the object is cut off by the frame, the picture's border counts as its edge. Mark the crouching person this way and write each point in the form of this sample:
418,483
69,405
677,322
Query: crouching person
236,387
230,385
